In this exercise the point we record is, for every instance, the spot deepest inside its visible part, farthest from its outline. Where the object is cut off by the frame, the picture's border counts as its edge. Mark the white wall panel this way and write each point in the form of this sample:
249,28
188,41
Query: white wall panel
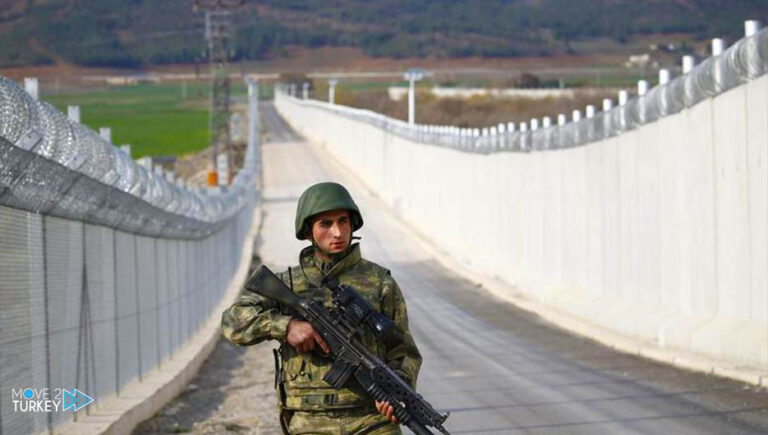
658,233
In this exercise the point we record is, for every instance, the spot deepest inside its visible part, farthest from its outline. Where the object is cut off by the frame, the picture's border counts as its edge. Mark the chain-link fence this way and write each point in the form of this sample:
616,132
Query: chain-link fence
745,60
106,269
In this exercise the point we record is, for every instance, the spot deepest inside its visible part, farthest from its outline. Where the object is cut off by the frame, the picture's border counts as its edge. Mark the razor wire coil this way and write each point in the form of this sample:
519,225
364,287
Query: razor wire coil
745,60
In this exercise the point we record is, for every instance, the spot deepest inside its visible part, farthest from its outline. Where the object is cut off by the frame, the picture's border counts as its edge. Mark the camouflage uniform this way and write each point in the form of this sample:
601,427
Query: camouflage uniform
307,403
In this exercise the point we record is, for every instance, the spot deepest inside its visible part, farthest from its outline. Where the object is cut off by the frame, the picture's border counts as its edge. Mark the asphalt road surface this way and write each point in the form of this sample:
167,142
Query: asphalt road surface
498,369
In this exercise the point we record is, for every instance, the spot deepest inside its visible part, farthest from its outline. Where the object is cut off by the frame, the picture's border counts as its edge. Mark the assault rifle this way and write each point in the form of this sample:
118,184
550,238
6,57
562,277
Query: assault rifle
339,327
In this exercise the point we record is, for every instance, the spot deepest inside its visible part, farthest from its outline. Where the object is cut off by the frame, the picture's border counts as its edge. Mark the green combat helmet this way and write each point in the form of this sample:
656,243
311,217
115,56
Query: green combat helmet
323,197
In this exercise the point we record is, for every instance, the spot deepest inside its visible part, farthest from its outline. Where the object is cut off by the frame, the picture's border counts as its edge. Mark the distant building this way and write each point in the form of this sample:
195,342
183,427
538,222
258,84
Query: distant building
125,80
663,46
397,93
638,60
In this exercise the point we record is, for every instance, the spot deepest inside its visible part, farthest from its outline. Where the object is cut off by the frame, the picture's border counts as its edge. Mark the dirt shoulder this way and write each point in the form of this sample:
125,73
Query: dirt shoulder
233,393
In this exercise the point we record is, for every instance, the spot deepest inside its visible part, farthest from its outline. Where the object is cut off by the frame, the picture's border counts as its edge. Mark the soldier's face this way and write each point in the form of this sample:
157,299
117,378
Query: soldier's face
332,232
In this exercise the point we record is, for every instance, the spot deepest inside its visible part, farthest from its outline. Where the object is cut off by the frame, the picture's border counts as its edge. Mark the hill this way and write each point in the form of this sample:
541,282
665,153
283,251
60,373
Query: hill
136,33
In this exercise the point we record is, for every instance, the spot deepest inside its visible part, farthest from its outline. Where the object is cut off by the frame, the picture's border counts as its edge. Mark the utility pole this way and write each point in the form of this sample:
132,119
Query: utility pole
332,90
218,32
412,75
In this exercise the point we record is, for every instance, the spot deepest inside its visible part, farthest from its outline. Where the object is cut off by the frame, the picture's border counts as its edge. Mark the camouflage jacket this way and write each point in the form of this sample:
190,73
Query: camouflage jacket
253,319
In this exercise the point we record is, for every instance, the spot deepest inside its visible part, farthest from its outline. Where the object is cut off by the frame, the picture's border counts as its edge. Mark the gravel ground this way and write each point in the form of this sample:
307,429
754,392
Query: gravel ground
233,393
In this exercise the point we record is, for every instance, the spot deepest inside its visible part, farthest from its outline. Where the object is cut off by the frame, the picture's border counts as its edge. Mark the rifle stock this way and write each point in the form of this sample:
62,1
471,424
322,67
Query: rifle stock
267,284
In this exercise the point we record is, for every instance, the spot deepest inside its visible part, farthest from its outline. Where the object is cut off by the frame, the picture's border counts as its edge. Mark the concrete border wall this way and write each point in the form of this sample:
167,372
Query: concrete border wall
659,233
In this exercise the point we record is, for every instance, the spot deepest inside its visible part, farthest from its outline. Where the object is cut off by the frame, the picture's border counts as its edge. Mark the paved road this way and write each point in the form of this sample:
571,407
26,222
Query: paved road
277,130
500,370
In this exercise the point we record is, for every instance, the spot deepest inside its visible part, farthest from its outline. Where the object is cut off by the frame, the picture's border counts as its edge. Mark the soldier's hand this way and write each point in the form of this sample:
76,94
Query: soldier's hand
303,337
387,410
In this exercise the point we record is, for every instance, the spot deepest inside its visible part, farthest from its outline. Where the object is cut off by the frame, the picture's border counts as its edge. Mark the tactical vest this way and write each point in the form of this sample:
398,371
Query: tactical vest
299,376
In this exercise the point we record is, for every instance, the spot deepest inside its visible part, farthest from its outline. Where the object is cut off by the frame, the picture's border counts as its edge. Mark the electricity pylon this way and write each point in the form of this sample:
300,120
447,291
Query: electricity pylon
218,33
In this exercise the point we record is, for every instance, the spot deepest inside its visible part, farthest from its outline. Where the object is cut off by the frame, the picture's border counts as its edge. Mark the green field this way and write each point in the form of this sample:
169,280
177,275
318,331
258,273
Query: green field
156,119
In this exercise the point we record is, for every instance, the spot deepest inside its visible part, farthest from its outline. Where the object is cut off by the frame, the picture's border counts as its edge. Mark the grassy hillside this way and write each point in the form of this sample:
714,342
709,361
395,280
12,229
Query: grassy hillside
134,33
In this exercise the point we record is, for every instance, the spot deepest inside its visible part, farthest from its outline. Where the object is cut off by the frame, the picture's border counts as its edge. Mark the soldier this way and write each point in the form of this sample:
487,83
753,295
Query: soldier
326,216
